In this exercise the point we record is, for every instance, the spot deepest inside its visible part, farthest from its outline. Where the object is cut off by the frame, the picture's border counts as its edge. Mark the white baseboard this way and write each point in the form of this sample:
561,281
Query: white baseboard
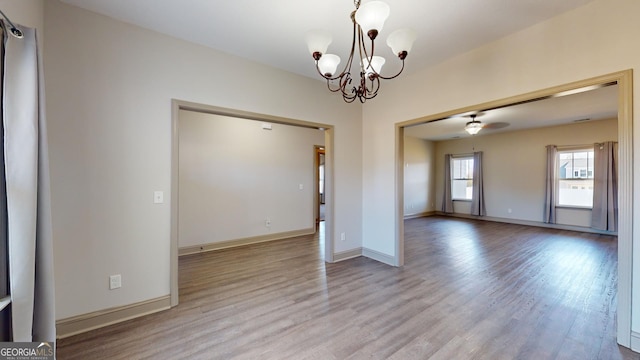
188,250
419,215
635,341
97,319
349,254
529,223
372,254
378,256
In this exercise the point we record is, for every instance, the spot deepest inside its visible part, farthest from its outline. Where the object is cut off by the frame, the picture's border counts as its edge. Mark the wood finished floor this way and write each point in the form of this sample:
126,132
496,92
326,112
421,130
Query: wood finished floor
469,290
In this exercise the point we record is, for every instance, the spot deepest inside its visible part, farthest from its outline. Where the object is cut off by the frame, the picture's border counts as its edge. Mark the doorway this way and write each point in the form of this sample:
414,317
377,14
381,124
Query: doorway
177,107
625,177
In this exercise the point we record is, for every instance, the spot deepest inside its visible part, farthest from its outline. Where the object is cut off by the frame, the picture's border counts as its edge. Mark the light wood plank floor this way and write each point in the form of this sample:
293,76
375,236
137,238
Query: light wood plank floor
469,290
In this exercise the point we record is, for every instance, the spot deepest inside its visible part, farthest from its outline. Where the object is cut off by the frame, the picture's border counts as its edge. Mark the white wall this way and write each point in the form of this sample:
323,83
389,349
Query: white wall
419,176
234,175
109,89
596,39
514,166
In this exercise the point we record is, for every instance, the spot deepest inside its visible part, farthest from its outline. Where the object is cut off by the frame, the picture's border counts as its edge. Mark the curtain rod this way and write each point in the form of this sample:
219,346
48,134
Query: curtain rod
14,30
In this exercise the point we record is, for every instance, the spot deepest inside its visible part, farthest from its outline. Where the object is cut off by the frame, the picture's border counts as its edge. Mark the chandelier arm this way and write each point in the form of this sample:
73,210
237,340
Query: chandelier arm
394,76
329,86
344,82
370,93
363,49
356,27
349,62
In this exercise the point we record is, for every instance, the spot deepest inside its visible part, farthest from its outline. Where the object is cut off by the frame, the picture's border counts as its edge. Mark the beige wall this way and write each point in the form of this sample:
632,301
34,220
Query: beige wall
419,176
233,175
514,166
109,89
25,12
596,39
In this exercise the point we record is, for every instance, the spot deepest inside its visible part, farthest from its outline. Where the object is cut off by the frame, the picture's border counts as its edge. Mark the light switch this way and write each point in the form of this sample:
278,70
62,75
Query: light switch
300,186
115,281
158,197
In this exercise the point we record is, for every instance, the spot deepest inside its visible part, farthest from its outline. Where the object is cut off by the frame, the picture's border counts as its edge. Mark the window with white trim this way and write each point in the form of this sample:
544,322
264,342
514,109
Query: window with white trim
575,178
462,178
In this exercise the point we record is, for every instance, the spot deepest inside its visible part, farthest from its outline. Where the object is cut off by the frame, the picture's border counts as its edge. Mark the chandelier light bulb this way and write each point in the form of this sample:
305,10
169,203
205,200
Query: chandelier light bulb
317,42
328,64
401,41
371,17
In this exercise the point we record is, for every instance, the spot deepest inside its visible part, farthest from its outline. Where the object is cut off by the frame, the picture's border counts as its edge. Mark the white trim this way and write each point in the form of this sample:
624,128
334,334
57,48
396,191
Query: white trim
348,254
419,215
635,341
98,319
530,223
188,250
378,256
4,302
625,206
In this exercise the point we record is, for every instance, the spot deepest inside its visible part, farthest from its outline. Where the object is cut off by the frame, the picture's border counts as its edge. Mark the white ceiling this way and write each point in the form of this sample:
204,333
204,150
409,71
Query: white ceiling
272,31
592,105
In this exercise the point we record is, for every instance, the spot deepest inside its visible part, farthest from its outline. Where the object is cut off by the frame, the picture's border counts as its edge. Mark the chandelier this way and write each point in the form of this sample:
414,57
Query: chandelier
369,18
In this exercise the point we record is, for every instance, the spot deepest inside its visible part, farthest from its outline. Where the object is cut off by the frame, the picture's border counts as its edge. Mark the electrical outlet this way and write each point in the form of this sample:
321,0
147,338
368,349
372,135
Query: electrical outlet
343,236
115,281
267,222
158,197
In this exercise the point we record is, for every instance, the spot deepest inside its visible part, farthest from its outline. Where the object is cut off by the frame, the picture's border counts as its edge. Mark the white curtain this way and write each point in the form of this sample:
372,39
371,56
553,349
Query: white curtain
604,215
550,188
477,198
27,191
447,201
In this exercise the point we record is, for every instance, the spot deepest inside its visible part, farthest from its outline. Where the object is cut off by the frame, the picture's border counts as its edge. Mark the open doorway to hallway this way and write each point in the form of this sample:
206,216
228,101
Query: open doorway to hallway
241,178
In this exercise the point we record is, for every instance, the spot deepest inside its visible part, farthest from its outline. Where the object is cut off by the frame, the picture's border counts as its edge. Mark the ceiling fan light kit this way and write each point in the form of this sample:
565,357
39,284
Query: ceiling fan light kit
474,126
367,19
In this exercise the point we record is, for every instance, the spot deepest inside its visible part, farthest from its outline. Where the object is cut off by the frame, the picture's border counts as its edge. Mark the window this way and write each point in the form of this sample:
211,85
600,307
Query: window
575,178
462,178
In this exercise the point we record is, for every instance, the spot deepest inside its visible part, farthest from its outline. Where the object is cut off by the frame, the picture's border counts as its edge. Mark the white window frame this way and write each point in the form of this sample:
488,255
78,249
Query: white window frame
454,161
578,181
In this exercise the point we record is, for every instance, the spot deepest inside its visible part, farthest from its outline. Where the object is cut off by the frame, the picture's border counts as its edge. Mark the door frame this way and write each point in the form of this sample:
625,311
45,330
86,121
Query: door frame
624,80
176,106
317,151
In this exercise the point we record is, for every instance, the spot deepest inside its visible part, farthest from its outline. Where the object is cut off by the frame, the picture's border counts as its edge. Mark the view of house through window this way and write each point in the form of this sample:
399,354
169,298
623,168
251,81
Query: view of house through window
575,178
462,178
